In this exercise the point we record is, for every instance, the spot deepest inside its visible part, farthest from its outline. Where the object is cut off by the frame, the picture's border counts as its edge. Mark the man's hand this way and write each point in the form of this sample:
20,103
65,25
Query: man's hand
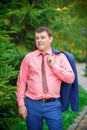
51,60
23,111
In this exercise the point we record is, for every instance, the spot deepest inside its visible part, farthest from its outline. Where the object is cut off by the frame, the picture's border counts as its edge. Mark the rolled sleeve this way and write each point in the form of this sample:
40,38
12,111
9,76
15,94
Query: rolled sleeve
65,74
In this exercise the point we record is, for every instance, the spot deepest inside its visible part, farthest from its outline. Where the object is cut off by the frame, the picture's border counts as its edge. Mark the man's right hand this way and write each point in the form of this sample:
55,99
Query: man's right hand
23,111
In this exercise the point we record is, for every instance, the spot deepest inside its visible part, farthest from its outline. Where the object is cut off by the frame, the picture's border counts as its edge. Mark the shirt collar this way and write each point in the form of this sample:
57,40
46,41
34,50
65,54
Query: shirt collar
49,52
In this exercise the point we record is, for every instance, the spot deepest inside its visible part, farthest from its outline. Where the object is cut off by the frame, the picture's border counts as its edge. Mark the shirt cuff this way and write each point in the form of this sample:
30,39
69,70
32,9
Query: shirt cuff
21,102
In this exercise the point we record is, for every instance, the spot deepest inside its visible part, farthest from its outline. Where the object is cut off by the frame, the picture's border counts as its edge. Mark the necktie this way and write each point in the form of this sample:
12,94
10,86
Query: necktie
44,81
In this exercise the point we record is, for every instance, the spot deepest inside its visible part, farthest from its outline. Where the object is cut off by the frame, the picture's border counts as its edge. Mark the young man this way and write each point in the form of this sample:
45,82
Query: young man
42,89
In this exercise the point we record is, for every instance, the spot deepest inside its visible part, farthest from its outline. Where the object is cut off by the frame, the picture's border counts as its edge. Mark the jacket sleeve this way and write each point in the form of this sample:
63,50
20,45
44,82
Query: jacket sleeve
74,95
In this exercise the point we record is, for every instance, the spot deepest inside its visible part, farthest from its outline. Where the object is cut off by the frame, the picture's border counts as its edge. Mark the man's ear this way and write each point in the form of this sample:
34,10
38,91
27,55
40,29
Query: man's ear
51,39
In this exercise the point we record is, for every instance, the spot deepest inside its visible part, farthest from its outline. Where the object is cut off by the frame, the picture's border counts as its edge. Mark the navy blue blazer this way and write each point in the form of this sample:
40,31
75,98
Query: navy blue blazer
69,92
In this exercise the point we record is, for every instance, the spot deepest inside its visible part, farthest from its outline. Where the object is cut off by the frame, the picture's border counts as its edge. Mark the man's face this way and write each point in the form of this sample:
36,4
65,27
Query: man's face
43,41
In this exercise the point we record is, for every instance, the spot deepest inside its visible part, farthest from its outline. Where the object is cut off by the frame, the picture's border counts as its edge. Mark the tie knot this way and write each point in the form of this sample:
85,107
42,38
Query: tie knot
43,55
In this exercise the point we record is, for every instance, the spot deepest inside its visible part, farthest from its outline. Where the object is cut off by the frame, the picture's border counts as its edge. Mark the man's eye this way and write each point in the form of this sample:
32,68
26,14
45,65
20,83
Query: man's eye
36,38
43,37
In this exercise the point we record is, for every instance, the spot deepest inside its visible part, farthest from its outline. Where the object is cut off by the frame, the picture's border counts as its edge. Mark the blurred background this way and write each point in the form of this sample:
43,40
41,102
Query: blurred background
18,21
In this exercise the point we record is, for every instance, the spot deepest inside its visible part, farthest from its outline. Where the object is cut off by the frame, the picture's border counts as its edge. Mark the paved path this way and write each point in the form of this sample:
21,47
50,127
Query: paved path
81,78
80,122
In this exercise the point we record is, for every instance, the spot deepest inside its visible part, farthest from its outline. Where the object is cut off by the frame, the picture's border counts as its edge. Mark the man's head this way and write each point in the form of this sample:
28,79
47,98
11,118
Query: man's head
44,29
43,37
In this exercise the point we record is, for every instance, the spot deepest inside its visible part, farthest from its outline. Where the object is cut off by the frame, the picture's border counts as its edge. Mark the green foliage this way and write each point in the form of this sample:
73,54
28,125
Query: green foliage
18,21
12,123
7,75
10,59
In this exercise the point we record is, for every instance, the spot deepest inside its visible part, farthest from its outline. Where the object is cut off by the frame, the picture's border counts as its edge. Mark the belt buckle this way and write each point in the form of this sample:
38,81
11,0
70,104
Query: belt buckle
44,100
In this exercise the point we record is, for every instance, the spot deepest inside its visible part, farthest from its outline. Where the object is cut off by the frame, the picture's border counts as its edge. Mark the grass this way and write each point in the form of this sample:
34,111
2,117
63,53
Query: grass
17,123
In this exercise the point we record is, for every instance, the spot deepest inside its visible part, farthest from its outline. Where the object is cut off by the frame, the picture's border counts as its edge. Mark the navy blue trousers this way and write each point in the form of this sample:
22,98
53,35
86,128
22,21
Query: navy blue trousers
37,111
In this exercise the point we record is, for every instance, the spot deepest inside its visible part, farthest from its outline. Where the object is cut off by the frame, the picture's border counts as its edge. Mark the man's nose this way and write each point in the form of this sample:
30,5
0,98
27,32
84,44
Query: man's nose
39,40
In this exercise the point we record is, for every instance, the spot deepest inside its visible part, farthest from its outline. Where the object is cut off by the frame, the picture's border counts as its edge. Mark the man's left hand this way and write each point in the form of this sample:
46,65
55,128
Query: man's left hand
51,60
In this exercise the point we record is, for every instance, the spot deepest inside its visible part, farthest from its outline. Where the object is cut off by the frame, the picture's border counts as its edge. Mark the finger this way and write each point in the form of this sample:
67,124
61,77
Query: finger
24,116
53,55
26,113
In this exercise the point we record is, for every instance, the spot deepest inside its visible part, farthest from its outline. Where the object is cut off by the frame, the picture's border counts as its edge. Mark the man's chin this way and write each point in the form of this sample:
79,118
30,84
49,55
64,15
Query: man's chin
41,49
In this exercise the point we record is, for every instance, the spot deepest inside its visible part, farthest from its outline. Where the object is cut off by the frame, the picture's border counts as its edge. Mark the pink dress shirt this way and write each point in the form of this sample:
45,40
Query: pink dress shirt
30,81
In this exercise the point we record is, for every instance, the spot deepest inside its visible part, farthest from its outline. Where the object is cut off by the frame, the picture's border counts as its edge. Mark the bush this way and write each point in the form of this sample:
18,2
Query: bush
85,72
10,59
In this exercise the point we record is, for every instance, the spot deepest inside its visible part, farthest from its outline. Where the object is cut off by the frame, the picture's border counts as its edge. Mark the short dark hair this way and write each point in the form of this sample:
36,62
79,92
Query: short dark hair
42,29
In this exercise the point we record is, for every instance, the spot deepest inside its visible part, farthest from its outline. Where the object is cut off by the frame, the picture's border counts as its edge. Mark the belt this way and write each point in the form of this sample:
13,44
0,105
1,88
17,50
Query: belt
47,100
